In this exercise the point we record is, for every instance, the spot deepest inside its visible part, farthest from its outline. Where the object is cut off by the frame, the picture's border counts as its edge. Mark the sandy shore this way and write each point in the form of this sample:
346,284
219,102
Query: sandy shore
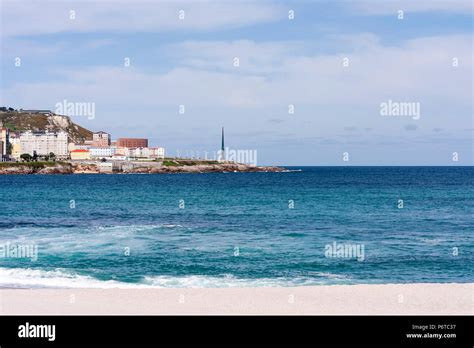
335,299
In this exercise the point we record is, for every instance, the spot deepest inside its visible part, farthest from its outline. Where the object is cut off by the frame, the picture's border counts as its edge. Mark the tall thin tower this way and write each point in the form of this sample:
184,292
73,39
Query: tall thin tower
222,145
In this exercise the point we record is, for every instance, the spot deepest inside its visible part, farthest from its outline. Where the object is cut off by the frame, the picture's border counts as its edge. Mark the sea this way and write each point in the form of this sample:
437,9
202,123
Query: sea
306,226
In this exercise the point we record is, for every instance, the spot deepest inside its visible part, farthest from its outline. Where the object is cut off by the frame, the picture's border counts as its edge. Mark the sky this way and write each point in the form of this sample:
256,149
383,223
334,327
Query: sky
308,88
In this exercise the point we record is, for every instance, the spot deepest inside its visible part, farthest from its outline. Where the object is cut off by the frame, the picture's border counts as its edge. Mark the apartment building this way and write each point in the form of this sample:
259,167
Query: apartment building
44,143
5,139
132,142
101,139
15,146
99,152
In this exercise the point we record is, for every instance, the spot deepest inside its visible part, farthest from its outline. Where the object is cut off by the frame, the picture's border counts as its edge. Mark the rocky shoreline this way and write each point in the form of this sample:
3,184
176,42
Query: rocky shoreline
133,168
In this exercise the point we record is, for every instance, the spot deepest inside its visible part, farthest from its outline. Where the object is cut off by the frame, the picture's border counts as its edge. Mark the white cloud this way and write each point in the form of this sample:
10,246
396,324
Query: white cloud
391,7
273,73
418,68
254,57
47,17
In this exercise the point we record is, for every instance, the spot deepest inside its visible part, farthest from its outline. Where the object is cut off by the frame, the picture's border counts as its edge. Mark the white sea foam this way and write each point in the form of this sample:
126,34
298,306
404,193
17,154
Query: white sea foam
329,275
228,281
106,238
60,278
135,228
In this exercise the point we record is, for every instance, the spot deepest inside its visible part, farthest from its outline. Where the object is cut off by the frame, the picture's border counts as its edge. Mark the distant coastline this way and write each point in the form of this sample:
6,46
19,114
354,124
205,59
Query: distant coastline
167,166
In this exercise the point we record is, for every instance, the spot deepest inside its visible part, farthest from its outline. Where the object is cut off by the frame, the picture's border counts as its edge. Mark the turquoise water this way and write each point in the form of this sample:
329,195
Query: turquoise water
237,229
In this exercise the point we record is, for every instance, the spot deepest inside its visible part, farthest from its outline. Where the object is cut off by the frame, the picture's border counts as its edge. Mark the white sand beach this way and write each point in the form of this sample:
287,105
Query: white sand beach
408,299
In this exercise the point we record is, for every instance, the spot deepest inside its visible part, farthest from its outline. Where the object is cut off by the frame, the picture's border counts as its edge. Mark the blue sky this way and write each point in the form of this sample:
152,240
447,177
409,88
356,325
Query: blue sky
300,62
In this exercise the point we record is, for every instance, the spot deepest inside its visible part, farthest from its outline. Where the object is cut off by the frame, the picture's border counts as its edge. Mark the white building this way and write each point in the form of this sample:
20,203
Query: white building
157,152
5,139
119,157
44,143
16,146
100,152
145,152
73,146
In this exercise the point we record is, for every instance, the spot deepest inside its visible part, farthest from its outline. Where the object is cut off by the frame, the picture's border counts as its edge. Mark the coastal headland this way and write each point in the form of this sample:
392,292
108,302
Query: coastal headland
166,166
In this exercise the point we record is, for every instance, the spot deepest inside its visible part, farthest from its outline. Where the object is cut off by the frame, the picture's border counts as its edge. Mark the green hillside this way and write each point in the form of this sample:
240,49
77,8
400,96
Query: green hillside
22,121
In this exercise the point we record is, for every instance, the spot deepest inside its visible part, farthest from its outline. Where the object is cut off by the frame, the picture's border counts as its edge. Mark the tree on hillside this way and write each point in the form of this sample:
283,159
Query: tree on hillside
52,156
35,156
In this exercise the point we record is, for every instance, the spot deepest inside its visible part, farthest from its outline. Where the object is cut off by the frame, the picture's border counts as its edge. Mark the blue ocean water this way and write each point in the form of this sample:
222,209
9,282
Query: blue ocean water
240,229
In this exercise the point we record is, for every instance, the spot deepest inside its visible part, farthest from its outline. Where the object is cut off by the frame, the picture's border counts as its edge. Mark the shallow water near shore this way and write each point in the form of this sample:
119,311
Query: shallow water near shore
240,229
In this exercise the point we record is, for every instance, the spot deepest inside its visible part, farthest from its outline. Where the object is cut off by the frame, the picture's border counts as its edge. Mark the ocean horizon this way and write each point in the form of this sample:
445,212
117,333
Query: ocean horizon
308,226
